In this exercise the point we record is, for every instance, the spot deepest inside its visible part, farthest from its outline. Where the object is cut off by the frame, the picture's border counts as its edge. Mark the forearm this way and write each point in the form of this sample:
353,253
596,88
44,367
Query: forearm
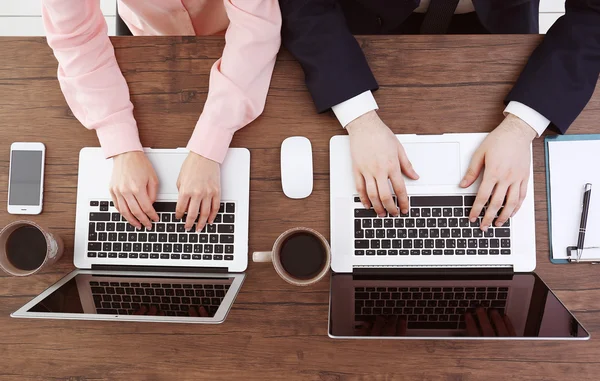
89,75
335,67
239,80
562,72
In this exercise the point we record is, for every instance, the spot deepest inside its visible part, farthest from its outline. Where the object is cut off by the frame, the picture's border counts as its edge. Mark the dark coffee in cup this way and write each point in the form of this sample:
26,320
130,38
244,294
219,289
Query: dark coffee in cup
26,248
303,255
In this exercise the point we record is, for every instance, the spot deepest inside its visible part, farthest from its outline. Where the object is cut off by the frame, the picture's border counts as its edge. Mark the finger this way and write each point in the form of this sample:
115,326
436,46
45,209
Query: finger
114,199
498,323
472,329
141,311
152,189
509,326
359,182
389,329
512,200
378,326
385,195
474,169
205,211
374,197
145,204
495,204
522,195
136,210
203,312
192,212
483,195
484,322
402,326
125,212
214,210
192,311
405,164
400,191
182,204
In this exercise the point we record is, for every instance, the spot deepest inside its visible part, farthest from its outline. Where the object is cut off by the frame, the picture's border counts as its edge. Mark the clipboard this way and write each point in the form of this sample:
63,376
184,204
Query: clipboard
594,252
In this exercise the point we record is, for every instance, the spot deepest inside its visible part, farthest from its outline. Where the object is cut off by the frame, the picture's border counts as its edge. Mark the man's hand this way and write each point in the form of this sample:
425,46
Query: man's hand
378,156
389,325
199,185
506,155
133,188
491,323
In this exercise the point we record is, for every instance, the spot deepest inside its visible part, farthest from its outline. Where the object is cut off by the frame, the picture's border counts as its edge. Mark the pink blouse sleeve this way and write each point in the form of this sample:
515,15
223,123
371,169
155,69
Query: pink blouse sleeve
89,75
239,80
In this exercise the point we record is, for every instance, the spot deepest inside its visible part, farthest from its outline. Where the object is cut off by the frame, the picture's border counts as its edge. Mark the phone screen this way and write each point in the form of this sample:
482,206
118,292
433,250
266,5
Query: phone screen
25,178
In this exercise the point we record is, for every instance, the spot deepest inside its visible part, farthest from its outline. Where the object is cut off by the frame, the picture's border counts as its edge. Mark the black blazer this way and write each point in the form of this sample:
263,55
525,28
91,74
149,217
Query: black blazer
557,81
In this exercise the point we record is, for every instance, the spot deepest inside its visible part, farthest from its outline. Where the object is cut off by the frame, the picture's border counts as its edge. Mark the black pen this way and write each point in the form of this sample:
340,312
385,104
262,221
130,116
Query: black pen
587,193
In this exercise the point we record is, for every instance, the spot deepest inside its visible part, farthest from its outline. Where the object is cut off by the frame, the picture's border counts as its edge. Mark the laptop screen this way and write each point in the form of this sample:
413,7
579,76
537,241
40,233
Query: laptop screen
131,295
443,305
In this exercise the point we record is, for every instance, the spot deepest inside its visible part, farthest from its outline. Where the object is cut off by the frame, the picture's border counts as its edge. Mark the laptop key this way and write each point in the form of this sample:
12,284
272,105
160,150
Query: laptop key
430,201
365,213
225,229
94,216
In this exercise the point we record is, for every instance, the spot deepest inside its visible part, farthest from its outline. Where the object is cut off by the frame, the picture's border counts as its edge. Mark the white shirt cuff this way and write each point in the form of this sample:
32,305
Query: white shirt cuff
354,107
528,115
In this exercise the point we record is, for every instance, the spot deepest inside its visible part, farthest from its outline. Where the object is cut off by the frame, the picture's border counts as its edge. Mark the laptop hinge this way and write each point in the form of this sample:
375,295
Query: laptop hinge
163,269
438,272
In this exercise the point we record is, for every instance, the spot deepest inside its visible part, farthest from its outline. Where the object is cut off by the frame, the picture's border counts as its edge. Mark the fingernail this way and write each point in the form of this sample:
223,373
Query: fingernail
484,228
473,219
404,211
463,183
366,205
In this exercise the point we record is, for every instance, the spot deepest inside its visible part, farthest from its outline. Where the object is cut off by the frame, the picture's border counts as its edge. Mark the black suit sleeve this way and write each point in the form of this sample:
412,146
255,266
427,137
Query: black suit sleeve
561,74
335,68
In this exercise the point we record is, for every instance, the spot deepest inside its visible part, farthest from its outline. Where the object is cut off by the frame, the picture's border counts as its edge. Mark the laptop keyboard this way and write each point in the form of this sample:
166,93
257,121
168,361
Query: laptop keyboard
124,298
110,236
426,307
434,225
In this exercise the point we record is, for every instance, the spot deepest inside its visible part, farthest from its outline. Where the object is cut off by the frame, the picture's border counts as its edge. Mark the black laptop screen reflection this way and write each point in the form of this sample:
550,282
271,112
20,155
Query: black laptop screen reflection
506,306
121,295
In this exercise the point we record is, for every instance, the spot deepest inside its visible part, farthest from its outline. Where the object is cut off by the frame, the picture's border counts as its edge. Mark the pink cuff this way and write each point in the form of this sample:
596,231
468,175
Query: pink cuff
210,142
119,138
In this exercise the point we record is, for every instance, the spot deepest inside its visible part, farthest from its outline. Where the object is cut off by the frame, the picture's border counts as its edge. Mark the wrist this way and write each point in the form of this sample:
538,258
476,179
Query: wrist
196,156
124,155
520,127
362,122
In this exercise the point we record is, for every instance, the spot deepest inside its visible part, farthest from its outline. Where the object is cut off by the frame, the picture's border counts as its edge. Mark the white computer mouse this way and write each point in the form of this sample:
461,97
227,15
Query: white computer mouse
296,167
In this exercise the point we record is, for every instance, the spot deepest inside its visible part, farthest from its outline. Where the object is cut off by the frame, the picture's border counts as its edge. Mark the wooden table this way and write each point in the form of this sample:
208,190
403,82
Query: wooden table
275,330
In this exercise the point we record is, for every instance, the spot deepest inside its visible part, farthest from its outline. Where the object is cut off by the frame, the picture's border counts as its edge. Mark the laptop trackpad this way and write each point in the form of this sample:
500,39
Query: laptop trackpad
436,163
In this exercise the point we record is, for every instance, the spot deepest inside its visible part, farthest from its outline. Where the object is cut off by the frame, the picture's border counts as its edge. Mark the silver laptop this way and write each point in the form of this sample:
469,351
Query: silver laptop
158,274
430,271
436,232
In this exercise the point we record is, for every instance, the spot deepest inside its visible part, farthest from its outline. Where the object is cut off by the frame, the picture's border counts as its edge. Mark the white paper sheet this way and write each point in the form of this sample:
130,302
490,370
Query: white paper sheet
572,164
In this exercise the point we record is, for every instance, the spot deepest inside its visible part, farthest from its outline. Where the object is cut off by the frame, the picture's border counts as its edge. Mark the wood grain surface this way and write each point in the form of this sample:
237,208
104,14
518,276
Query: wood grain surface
275,330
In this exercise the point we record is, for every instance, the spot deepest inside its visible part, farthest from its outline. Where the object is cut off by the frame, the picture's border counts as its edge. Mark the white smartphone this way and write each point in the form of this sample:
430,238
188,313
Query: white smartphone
26,178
